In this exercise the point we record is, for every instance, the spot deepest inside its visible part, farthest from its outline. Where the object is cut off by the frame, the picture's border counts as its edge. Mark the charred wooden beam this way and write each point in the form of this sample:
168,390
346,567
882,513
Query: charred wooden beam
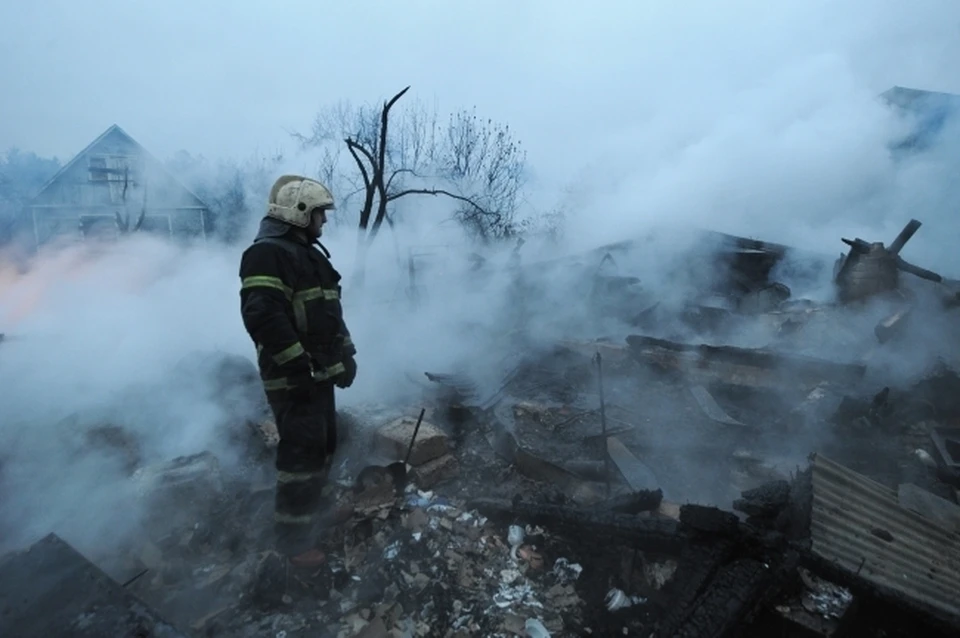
917,271
908,231
634,503
709,520
735,593
739,366
647,534
766,501
697,566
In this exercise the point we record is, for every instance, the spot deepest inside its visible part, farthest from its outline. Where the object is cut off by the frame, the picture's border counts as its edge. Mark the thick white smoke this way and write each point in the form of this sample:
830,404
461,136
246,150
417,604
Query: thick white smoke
750,118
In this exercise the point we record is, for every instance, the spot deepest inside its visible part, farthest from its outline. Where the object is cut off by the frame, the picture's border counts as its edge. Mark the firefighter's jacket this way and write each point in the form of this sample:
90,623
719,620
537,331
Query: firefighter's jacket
290,303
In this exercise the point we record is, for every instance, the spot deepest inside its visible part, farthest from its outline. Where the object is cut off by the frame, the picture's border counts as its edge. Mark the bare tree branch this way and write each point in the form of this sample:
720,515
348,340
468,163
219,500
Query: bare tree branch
369,185
438,191
401,151
381,167
399,171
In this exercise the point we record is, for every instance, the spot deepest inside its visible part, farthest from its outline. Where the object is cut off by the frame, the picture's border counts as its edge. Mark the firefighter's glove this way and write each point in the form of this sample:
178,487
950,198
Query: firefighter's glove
345,378
302,388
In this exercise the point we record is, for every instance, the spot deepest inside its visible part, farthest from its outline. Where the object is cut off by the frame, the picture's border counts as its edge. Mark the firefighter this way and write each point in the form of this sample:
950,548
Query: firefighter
290,304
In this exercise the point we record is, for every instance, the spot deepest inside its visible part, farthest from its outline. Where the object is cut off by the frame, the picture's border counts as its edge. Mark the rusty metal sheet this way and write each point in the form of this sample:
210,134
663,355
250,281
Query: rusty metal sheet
858,525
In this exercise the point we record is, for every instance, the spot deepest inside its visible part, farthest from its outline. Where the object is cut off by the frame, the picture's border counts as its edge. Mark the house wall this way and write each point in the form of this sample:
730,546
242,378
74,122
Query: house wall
114,176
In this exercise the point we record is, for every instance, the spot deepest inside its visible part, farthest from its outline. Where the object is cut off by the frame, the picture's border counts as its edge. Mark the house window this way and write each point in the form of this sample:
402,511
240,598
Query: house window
114,169
98,169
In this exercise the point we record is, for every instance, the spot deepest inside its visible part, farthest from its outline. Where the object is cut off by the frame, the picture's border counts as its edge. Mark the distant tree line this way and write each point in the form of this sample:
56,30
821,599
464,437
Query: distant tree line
22,174
374,157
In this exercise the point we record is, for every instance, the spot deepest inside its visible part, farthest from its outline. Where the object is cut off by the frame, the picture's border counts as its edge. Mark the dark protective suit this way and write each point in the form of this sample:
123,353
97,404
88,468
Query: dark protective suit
290,303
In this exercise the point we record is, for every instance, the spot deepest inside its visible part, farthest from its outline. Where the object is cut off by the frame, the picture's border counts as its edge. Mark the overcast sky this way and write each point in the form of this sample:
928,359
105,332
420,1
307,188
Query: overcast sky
612,87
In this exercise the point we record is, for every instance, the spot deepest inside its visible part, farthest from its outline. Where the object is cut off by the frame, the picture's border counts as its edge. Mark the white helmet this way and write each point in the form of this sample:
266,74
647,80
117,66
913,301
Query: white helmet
294,198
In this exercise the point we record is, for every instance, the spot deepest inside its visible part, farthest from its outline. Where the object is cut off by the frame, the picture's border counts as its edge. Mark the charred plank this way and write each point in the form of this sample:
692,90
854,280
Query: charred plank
739,366
766,501
709,520
733,594
697,566
635,502
654,535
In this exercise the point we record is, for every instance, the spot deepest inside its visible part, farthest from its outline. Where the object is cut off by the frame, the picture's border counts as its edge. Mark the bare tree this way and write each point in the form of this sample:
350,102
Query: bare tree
483,155
123,220
396,154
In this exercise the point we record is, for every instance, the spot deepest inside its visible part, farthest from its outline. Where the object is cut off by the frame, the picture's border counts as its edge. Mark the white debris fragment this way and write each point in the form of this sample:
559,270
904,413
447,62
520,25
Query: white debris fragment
535,629
659,574
514,538
417,536
440,507
509,576
463,621
924,457
518,594
617,599
565,571
392,550
823,597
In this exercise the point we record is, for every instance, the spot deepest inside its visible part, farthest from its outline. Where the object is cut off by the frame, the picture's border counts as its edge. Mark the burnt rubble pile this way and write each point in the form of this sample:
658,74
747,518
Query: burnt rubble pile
667,481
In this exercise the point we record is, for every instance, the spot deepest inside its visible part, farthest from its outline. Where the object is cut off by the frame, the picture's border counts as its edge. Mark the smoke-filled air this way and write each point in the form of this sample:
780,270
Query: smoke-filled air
646,253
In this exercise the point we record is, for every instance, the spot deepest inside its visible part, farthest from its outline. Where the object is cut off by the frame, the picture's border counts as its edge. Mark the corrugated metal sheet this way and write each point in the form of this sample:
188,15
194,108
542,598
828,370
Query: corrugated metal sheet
852,522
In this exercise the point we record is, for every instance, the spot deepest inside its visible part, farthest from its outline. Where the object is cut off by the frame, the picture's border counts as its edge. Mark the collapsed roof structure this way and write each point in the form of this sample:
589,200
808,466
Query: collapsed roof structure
558,494
734,458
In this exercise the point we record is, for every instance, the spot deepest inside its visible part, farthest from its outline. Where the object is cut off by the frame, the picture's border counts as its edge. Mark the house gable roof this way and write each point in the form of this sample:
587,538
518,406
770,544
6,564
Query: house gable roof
91,147
930,110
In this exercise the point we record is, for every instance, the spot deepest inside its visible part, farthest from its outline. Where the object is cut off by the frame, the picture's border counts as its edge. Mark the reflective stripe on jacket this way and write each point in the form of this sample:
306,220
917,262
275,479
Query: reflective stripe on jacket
290,304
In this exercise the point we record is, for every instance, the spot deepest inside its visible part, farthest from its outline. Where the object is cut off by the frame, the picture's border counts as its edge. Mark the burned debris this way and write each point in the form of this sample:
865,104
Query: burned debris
51,590
669,480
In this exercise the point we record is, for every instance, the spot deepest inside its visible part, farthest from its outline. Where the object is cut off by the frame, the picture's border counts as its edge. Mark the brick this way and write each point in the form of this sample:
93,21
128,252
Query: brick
393,439
436,471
